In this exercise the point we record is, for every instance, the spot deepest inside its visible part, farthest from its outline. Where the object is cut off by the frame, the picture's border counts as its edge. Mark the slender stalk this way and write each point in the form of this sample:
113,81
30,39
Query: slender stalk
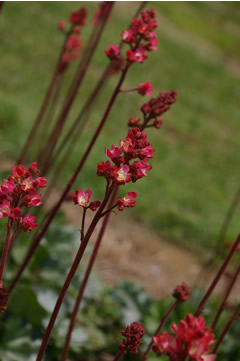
6,248
229,289
118,356
227,328
1,5
43,108
162,323
217,278
86,278
71,274
69,185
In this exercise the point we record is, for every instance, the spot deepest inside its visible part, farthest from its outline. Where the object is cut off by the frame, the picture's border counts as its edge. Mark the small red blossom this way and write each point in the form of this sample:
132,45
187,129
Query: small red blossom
157,123
16,214
33,168
94,205
28,223
113,52
182,292
61,25
122,175
3,298
132,338
5,209
82,198
40,182
33,199
134,122
127,36
145,88
114,152
78,17
19,171
128,201
27,184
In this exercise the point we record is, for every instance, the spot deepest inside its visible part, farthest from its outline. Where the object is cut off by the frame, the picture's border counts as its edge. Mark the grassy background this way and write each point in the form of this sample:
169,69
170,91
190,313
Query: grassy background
196,167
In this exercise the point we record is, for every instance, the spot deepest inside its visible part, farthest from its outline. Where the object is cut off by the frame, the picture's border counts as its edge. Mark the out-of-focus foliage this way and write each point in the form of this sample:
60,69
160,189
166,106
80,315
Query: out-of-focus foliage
105,310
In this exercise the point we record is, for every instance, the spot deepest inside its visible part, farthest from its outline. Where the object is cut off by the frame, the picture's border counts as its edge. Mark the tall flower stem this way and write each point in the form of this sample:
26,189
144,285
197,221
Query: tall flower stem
227,328
218,276
71,274
162,323
6,248
77,81
43,108
70,183
229,289
86,277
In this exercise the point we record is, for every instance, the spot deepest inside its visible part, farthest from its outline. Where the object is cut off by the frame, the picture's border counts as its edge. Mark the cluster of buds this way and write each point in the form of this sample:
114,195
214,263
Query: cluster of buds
140,38
153,109
73,44
181,293
83,200
132,338
191,339
126,168
20,190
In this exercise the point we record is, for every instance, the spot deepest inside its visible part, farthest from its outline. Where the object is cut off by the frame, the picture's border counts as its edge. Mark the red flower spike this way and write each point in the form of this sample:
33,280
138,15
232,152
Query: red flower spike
191,339
132,338
5,209
182,292
145,88
78,17
28,223
82,198
3,298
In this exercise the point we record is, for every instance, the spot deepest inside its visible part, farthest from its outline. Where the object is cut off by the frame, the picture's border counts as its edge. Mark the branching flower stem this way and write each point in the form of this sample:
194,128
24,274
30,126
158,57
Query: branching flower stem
86,276
83,245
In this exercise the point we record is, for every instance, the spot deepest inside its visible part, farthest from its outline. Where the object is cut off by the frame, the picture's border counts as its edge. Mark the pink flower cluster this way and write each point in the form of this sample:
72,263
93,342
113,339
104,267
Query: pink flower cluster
191,339
125,167
83,199
132,338
181,293
73,44
20,190
140,38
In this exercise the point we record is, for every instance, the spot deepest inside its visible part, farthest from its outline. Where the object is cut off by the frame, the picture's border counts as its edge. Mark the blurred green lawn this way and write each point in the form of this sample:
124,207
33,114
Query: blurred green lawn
196,167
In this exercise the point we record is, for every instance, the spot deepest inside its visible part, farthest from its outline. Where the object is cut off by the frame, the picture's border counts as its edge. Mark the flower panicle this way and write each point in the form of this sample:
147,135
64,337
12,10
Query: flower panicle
132,338
191,339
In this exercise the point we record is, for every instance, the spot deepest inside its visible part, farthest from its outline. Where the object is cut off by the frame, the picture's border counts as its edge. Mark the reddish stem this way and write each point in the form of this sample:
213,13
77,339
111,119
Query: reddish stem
128,90
70,275
162,323
227,328
217,278
69,185
86,278
5,250
229,289
118,356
